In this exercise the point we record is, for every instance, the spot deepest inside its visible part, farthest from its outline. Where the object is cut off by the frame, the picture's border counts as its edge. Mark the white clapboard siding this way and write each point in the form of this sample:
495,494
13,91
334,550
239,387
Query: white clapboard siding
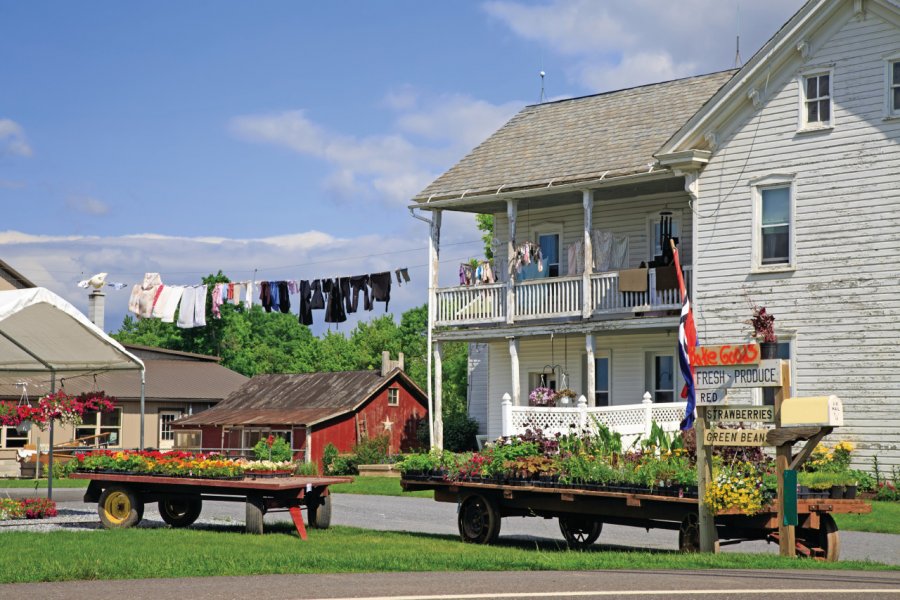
842,302
477,385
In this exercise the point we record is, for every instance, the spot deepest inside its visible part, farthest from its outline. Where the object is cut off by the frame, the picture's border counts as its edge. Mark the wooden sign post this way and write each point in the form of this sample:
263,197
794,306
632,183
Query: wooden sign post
787,543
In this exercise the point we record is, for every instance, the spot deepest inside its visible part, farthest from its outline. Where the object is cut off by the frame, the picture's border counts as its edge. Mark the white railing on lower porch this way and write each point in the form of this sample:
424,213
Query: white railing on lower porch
548,297
607,297
633,421
471,305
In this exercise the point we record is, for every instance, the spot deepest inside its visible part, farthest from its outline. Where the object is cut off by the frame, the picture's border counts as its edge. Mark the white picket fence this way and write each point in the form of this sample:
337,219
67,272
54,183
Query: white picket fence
633,421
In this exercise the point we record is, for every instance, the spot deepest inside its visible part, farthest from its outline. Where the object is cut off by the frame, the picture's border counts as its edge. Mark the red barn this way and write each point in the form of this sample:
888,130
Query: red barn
312,410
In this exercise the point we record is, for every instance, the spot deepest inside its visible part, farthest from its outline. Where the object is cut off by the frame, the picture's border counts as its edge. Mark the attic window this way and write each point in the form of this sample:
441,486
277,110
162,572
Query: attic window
393,396
816,101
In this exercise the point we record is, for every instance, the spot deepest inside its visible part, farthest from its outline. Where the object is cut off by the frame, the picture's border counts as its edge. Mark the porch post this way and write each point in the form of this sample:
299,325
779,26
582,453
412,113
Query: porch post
582,414
514,371
587,302
648,414
512,211
434,253
437,419
506,416
591,368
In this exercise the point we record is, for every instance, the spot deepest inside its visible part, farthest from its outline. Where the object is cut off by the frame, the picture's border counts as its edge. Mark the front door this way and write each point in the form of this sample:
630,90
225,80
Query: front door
166,435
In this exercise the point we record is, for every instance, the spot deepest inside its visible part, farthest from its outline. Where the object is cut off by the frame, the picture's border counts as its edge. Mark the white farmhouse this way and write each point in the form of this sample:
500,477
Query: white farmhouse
780,181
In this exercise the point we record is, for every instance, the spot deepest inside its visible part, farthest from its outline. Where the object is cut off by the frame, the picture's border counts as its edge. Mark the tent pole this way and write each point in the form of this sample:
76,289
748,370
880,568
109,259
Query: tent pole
50,457
143,382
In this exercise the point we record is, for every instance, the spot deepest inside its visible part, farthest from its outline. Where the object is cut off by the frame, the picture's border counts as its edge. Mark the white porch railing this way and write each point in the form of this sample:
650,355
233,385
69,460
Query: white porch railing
631,420
607,298
469,305
549,298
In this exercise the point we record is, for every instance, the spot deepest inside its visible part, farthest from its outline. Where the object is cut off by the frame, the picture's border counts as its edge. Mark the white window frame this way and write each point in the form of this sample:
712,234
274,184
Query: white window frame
652,355
97,426
802,124
7,432
890,111
775,180
395,392
550,228
653,221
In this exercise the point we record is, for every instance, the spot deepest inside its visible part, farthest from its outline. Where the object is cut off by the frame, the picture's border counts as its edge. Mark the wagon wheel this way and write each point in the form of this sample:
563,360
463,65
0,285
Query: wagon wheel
479,521
120,507
689,535
255,510
180,511
823,543
580,532
319,515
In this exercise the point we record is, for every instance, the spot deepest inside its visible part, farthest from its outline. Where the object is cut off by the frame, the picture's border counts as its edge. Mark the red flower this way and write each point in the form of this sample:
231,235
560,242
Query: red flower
270,440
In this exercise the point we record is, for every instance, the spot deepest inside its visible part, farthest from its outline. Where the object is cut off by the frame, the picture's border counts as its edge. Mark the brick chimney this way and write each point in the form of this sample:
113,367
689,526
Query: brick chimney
388,365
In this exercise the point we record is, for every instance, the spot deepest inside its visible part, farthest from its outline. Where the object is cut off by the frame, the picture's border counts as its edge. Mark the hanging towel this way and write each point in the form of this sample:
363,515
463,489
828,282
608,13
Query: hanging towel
187,310
633,280
142,295
167,303
618,258
249,301
576,258
603,250
217,299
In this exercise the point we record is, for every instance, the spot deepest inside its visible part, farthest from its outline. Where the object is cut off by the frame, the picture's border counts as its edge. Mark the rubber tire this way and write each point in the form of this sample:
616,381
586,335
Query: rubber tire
180,511
689,535
256,509
479,520
120,507
319,516
580,532
826,537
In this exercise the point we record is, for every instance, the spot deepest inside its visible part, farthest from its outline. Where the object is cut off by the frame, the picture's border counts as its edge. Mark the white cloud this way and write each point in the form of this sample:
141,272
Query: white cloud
87,205
12,139
620,43
427,136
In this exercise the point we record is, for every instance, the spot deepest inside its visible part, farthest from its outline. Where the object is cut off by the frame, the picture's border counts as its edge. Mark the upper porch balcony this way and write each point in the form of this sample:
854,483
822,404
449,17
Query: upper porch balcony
553,298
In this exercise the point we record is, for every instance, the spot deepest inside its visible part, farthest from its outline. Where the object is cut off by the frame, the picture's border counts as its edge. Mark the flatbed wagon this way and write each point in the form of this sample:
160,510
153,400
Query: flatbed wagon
582,513
121,498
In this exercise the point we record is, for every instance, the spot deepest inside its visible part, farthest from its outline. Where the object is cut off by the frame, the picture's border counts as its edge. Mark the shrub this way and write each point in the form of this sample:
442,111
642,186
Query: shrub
373,451
306,469
343,464
460,432
274,448
328,455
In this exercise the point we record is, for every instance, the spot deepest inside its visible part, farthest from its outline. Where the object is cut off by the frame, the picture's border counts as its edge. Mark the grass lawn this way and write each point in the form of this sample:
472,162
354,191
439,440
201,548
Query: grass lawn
884,518
41,484
377,486
163,552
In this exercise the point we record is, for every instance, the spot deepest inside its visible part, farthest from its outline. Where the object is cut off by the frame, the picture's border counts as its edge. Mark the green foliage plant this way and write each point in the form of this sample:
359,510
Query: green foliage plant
373,450
459,432
274,448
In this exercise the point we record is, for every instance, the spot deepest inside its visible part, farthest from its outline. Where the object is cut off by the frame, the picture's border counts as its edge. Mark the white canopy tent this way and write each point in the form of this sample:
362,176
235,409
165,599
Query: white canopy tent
42,333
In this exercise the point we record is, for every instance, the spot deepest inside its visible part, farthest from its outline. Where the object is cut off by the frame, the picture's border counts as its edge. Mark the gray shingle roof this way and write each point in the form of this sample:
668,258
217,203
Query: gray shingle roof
578,139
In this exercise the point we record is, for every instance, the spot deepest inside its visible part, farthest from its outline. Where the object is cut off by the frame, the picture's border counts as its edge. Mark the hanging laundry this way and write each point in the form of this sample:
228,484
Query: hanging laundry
359,283
167,302
249,301
344,282
466,274
117,285
404,273
576,258
318,300
381,287
192,311
275,295
293,287
284,297
265,296
334,307
305,293
142,295
217,299
237,290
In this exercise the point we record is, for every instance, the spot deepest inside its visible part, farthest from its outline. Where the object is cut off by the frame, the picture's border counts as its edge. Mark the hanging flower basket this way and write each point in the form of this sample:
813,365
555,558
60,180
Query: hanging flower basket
58,406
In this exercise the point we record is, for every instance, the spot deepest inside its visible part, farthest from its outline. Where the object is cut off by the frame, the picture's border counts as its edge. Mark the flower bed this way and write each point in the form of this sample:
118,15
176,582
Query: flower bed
176,463
26,508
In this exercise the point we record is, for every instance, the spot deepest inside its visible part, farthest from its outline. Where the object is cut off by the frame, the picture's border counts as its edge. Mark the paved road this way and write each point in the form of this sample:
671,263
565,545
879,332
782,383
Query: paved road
643,585
427,516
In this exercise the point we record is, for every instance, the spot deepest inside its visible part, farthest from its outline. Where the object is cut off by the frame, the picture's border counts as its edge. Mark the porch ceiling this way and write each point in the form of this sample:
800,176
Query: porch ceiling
596,326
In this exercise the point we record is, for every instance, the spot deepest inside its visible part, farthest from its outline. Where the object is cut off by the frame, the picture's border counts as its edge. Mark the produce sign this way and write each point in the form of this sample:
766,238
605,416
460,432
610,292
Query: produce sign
766,374
735,437
729,354
754,414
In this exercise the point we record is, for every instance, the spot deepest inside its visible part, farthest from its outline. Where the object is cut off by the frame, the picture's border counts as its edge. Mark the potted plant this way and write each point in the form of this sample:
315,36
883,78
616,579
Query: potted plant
542,396
763,323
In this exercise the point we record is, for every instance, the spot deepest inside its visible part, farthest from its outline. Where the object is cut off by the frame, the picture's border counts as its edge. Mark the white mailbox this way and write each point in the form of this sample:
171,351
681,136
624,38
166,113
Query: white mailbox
826,411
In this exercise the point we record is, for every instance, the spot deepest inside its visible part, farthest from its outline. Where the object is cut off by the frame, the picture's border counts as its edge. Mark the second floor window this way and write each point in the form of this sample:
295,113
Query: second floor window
817,100
775,234
393,397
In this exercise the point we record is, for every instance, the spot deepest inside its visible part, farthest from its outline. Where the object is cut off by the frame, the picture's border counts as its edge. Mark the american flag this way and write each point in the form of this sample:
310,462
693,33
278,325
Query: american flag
687,338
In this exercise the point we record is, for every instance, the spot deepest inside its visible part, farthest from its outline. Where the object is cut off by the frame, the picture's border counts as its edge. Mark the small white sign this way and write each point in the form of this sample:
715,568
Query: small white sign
711,397
766,374
750,413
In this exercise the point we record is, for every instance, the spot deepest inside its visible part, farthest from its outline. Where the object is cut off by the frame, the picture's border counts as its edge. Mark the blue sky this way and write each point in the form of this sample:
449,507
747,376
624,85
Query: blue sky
189,137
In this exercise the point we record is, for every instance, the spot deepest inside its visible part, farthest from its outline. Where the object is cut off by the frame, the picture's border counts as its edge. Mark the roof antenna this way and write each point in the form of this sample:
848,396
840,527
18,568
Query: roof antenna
738,63
542,87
